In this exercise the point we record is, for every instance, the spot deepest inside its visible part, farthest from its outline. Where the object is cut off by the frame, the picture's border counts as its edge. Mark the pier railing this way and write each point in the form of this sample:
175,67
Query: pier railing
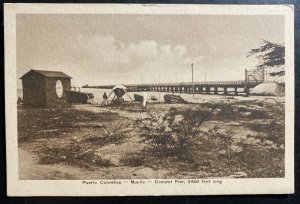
208,83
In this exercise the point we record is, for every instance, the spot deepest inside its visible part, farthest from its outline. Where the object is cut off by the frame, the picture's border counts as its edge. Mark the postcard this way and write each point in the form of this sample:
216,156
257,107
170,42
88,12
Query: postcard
131,99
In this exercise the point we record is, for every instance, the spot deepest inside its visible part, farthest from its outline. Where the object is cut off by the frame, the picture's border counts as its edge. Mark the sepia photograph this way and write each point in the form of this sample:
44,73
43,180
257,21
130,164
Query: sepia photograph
159,98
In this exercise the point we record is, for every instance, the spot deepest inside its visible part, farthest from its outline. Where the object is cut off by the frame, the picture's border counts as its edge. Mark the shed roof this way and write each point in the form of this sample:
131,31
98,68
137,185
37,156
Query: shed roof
48,74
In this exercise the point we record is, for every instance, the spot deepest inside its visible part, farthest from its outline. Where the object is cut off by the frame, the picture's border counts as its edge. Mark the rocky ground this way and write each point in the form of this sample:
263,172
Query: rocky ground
220,138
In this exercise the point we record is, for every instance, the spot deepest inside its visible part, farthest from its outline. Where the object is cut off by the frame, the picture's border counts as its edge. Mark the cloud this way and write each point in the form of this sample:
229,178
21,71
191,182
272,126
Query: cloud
143,62
102,59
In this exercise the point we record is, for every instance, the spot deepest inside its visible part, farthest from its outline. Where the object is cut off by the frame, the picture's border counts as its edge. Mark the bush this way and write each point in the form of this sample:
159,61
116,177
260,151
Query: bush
272,131
72,154
115,134
172,134
134,160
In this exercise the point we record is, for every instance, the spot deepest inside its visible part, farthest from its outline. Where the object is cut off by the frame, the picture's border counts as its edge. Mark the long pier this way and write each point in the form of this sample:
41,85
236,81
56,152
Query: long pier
207,87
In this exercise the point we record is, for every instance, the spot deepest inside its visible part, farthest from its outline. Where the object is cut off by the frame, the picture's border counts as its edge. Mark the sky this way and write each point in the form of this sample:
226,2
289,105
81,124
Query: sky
108,49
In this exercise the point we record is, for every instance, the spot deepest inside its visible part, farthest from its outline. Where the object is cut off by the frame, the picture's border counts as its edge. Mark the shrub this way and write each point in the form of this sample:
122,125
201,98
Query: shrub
272,131
134,160
229,146
115,134
72,154
172,134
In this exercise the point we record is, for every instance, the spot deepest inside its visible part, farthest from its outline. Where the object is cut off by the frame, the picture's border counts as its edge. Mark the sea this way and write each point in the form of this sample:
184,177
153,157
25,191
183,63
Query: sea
198,98
129,96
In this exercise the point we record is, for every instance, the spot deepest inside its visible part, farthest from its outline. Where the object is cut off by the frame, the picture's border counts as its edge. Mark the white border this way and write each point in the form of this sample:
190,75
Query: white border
16,187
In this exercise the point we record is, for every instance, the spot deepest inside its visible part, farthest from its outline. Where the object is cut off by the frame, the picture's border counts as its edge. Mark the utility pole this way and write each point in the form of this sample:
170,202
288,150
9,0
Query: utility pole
204,76
193,80
159,83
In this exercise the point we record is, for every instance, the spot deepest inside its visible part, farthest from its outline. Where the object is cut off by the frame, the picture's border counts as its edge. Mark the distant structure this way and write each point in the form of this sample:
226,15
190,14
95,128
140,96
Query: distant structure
45,88
252,79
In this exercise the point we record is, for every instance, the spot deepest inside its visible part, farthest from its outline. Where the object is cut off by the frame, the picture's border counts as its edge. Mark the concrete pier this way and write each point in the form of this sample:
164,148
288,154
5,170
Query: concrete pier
210,87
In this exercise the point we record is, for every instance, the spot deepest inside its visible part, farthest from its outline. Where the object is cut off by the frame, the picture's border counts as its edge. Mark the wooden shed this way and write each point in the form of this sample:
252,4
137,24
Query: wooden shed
45,88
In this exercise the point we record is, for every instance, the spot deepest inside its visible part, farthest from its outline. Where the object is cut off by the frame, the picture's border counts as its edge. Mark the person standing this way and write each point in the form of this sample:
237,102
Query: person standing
104,102
144,99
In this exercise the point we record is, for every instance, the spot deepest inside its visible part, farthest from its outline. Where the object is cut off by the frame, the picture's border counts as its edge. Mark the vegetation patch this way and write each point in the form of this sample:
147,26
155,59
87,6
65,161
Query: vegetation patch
134,160
47,123
201,139
114,134
71,154
178,140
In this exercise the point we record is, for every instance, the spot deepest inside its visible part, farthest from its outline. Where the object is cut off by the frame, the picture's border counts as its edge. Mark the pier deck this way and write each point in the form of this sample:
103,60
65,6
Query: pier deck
208,87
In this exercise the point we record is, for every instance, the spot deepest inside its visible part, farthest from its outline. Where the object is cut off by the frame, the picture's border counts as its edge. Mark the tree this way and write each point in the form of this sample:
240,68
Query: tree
270,55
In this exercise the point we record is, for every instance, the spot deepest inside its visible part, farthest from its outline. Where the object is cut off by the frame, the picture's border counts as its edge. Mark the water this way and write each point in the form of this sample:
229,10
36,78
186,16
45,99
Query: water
98,93
20,93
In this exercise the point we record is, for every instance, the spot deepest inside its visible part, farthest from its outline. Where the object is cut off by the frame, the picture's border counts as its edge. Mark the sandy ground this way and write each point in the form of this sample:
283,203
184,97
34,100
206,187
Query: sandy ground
95,108
30,168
